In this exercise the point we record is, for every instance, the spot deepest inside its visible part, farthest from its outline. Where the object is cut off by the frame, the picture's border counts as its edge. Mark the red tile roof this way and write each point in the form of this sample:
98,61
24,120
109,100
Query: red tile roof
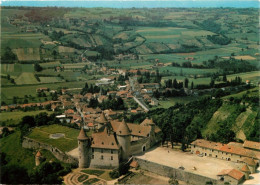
104,140
252,144
82,135
123,129
245,168
232,173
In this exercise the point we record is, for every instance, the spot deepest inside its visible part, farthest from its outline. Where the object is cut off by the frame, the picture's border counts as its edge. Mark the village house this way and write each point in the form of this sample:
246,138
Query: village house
228,152
154,102
42,89
231,176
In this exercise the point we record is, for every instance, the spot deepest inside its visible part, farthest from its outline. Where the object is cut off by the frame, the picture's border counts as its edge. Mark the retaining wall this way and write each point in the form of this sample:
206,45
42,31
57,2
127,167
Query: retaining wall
179,174
62,156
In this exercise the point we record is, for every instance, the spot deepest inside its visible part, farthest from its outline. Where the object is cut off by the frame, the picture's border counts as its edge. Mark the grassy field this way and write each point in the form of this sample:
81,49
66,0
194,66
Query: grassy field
65,144
25,157
7,93
16,69
11,145
27,54
187,71
15,117
219,116
172,101
50,79
26,78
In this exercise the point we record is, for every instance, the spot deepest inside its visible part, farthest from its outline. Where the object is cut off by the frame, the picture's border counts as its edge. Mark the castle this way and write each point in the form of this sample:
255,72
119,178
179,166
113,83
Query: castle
115,141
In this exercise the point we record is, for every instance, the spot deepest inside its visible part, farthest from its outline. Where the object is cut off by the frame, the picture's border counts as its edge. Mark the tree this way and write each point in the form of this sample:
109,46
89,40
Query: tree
192,85
14,174
186,83
37,67
8,55
224,78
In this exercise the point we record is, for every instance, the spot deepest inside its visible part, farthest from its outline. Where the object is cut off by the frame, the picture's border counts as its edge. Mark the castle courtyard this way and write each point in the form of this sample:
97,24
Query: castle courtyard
205,166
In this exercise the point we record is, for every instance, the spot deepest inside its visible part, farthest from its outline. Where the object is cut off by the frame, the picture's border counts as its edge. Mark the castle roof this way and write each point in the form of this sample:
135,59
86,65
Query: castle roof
147,121
102,118
38,154
82,135
245,168
249,161
104,139
123,129
136,130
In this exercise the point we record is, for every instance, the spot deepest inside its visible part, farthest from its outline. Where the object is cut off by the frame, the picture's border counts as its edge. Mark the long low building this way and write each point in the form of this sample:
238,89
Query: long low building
231,152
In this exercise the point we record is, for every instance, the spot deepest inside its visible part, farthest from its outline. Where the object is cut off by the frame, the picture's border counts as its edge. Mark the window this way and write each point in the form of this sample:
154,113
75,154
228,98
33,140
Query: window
111,157
216,156
194,146
102,157
102,150
112,152
92,156
92,150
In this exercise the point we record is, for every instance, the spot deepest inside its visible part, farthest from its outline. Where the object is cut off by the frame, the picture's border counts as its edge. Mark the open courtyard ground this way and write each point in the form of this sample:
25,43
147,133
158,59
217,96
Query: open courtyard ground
205,166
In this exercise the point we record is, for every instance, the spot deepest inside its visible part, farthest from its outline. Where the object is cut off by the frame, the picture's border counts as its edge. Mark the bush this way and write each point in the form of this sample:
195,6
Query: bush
114,174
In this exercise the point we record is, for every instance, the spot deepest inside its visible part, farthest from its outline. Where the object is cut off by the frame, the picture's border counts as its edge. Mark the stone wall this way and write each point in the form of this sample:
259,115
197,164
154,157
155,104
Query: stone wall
167,171
137,146
31,143
104,158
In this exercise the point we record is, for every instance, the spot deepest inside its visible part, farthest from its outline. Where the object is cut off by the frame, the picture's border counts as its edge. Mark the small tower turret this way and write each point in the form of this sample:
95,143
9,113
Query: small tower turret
102,120
84,143
246,171
38,158
124,139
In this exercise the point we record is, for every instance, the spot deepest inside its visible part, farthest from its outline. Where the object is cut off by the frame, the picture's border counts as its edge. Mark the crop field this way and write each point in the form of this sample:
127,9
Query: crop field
133,64
187,71
50,64
253,76
16,69
23,40
25,54
26,78
63,49
7,93
50,79
15,117
246,57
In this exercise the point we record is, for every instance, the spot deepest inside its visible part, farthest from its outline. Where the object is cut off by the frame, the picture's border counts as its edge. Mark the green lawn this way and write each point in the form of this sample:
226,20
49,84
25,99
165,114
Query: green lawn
65,144
15,117
172,101
93,172
16,154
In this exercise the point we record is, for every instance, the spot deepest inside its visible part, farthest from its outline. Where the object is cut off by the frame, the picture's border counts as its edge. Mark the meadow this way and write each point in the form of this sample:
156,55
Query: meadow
65,144
13,118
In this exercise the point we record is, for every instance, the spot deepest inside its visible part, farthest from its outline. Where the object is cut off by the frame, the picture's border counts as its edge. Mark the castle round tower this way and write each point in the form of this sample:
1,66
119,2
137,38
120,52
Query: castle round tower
38,158
124,139
84,149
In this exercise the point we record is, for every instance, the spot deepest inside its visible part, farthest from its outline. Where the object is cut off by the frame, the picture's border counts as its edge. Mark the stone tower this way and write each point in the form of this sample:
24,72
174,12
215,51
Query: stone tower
246,171
124,139
84,149
38,158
